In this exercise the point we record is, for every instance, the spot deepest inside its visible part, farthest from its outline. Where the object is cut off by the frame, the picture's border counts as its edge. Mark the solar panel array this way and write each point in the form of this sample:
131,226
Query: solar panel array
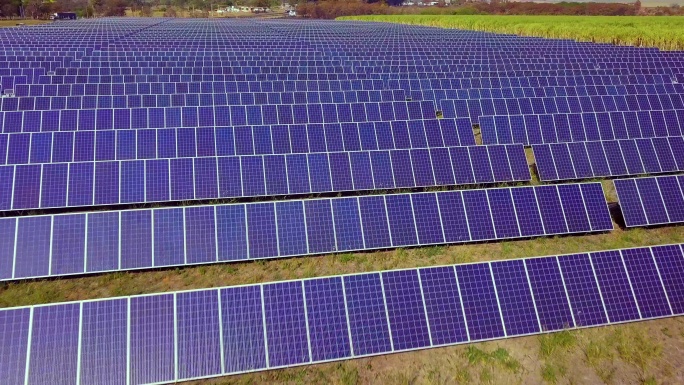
189,142
333,137
579,160
651,201
55,245
193,334
158,180
560,128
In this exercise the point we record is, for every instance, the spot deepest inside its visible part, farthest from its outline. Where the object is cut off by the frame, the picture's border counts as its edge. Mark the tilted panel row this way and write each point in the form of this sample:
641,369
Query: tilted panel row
64,244
475,108
579,160
488,94
121,79
527,81
210,116
162,180
83,146
179,336
161,88
44,103
561,128
651,201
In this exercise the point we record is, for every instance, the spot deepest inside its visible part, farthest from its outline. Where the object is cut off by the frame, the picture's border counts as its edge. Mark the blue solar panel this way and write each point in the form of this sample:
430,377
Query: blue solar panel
329,332
515,298
582,289
646,283
135,239
615,286
405,310
549,293
285,319
154,180
480,303
544,127
243,329
368,323
152,330
650,201
626,157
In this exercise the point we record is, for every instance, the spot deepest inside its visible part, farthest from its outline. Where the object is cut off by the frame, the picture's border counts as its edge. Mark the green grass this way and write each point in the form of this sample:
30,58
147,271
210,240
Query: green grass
665,32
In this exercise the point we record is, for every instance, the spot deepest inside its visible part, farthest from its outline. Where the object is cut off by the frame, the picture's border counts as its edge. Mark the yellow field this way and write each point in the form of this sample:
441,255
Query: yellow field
664,32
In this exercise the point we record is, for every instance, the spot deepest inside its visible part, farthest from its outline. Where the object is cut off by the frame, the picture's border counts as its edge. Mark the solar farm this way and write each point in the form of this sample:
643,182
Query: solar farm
140,146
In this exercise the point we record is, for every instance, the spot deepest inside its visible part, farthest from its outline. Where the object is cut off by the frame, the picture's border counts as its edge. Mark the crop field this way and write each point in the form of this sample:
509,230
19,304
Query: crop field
664,32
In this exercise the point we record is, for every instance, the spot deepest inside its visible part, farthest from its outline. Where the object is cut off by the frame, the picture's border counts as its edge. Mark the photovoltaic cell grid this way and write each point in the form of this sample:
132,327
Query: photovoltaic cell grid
474,108
579,160
560,128
159,180
211,116
43,103
84,145
66,244
194,334
651,201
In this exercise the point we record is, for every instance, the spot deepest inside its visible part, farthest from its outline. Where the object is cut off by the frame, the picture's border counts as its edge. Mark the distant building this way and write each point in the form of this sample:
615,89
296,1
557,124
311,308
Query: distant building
63,16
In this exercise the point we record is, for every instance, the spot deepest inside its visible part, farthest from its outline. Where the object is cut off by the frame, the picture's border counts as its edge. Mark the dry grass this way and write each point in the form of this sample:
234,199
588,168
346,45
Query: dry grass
13,23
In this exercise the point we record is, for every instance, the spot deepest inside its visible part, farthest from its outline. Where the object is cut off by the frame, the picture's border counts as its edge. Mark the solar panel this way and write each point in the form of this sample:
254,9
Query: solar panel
580,160
185,335
530,129
651,201
81,146
65,244
117,182
211,116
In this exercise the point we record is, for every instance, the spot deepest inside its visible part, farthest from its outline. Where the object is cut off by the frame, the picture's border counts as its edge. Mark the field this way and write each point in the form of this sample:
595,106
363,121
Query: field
664,32
13,23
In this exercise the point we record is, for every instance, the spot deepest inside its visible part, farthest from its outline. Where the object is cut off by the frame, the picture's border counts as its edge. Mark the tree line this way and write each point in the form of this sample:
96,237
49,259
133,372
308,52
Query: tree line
42,9
322,9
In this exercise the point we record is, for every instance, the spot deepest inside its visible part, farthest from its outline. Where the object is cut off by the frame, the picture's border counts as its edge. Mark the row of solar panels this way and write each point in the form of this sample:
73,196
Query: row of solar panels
229,68
475,108
651,201
105,89
62,244
463,77
140,66
178,336
417,84
559,128
472,108
544,92
222,116
581,160
30,103
524,81
82,146
96,89
323,58
157,180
